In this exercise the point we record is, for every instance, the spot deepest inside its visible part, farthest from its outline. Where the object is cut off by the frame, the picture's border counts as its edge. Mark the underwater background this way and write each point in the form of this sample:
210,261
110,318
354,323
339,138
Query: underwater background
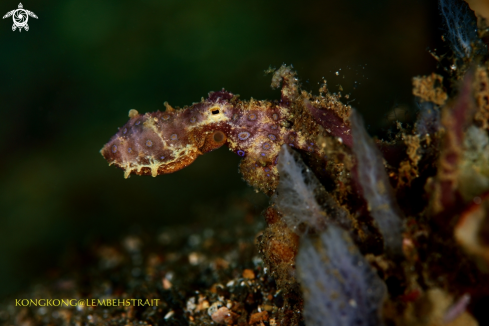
69,82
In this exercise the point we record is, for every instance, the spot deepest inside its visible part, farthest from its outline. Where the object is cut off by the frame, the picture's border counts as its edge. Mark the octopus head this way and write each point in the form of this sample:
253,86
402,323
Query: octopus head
159,143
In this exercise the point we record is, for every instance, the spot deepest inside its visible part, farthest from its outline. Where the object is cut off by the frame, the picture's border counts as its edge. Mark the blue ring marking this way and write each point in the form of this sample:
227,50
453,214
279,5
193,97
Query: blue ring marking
243,135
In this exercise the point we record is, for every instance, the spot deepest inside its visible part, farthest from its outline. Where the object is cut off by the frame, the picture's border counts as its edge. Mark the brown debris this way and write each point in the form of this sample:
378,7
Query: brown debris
408,169
482,97
258,317
430,88
249,274
279,246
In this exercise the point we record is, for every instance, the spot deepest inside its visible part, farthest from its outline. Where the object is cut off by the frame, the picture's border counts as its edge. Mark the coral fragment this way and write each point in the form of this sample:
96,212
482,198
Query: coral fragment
375,186
340,287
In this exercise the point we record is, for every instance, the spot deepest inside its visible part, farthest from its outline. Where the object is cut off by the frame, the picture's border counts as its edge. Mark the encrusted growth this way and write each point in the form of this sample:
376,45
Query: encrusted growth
455,118
301,198
482,97
429,88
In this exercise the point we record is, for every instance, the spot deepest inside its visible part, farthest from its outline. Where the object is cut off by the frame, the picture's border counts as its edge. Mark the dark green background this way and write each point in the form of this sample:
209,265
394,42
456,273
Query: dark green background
69,82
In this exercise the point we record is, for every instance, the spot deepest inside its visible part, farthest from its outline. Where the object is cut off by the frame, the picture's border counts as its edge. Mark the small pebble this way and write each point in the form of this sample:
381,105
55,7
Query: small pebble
249,274
259,316
221,315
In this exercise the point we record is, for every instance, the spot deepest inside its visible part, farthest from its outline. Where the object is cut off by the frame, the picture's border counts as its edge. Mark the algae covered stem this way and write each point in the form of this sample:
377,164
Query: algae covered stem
164,142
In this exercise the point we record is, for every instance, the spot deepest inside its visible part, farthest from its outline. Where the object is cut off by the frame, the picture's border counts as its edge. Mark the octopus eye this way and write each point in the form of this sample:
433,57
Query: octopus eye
215,110
243,135
219,136
241,153
114,148
252,116
272,137
192,120
275,116
149,143
165,116
266,146
174,137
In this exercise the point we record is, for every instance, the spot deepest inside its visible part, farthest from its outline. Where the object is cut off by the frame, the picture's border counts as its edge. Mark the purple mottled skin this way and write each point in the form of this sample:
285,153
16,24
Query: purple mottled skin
164,142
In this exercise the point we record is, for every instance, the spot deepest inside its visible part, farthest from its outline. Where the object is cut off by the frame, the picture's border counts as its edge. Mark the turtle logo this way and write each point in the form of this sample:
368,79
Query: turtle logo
20,17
